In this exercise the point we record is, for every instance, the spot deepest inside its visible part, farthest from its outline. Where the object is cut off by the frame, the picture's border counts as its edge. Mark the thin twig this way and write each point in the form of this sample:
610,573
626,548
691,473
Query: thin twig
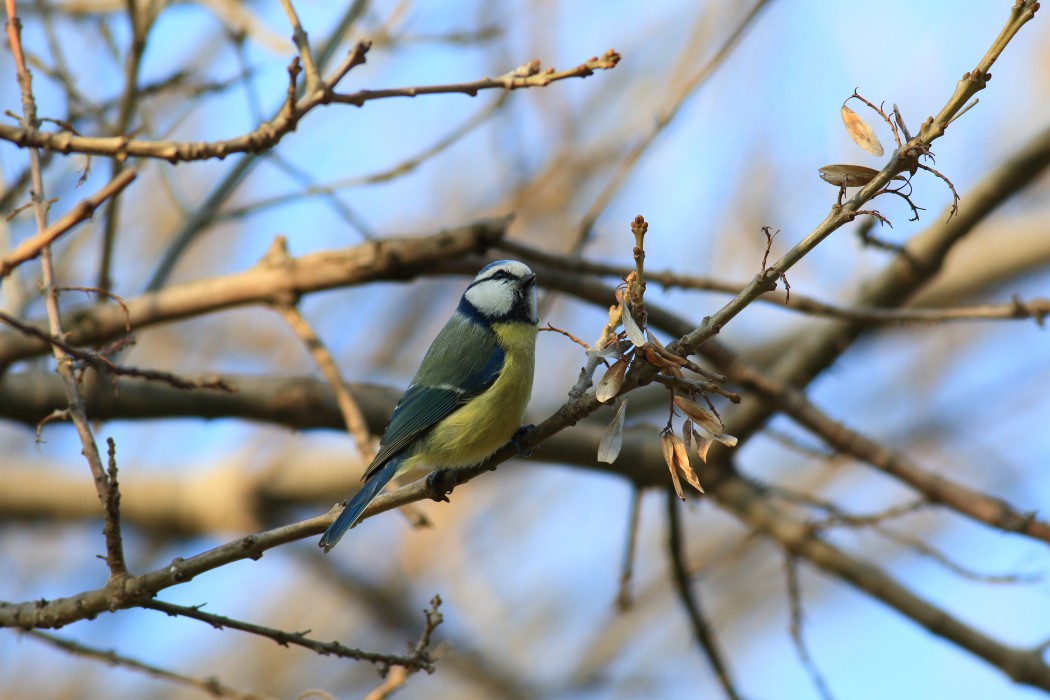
104,364
302,44
111,524
141,18
623,595
663,118
34,245
63,361
1037,309
270,133
418,661
277,257
705,638
797,638
211,686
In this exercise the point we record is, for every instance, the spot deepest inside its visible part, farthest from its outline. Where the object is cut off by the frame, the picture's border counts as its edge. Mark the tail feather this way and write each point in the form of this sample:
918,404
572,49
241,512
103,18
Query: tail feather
357,504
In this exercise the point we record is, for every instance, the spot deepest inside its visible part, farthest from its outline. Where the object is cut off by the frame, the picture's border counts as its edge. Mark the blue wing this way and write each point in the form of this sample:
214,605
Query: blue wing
445,381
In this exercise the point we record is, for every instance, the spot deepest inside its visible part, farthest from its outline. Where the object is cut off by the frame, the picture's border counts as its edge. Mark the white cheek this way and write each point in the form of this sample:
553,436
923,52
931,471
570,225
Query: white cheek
491,298
532,305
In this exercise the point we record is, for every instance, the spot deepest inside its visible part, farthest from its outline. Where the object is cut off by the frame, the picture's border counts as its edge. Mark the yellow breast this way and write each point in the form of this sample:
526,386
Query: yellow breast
483,425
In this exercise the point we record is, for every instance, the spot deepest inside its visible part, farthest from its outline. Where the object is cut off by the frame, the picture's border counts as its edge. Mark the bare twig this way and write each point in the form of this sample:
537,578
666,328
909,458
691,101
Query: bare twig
302,44
418,661
111,524
34,245
40,209
270,133
1036,309
104,364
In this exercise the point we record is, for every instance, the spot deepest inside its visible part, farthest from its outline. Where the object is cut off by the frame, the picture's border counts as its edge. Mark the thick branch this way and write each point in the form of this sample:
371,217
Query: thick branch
390,259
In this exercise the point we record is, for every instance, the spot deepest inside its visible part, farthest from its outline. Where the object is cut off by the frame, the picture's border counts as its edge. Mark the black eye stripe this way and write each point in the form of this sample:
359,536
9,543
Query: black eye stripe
499,275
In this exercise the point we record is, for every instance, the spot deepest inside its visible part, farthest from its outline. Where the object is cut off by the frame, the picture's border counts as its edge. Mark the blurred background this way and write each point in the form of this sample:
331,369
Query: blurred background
528,559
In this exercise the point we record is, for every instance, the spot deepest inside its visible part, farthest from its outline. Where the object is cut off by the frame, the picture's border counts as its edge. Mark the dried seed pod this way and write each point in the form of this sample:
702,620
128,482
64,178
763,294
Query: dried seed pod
634,331
610,384
703,445
842,175
699,415
612,438
861,133
681,454
667,441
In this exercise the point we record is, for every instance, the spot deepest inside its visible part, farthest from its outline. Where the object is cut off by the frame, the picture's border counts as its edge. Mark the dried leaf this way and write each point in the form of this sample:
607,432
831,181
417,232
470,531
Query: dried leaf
612,350
681,454
610,384
634,331
690,475
612,438
861,133
727,440
703,446
848,175
667,445
661,357
699,415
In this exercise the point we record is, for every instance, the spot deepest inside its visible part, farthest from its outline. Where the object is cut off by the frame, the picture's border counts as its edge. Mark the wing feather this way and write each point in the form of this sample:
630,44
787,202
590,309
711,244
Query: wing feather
446,380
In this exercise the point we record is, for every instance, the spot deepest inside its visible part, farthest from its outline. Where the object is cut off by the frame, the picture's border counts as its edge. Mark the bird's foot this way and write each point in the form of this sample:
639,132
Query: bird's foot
522,432
440,483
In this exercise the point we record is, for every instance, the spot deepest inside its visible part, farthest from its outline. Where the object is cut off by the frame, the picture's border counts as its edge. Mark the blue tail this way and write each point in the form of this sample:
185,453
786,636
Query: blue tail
357,504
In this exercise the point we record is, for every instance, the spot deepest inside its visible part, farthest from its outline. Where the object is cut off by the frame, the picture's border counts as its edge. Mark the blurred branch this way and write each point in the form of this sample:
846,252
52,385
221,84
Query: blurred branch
796,537
623,596
212,686
141,18
663,118
387,174
389,602
705,638
781,396
1037,309
420,660
104,365
352,416
795,604
807,356
104,487
205,215
375,260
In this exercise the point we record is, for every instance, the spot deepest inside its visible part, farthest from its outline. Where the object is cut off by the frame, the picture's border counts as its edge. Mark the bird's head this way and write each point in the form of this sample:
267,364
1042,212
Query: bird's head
504,290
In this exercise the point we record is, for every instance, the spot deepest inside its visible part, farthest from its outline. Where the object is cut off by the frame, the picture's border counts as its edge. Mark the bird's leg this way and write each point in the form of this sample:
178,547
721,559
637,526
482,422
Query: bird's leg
440,483
522,432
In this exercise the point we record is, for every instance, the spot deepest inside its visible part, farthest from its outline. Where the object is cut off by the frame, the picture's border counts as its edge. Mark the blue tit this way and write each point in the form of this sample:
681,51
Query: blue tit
469,395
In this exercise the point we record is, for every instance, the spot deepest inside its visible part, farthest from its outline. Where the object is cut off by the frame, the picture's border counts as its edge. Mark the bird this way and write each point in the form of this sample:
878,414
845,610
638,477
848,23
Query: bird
470,393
